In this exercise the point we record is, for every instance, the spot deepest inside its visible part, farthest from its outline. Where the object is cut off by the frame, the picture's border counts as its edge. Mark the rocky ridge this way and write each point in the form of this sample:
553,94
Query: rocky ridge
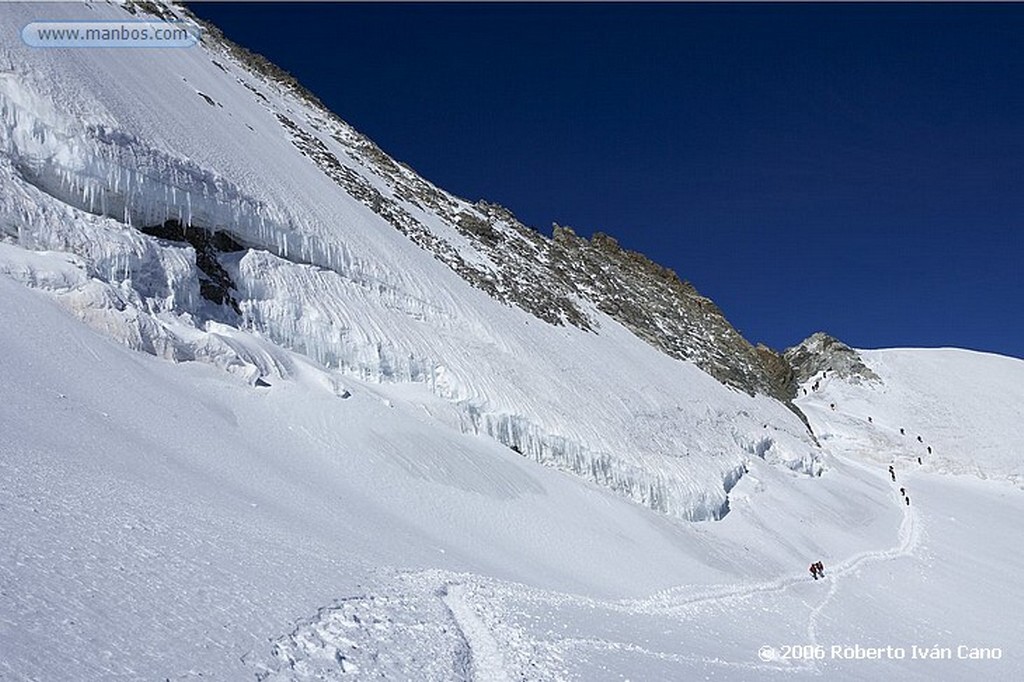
564,279
823,353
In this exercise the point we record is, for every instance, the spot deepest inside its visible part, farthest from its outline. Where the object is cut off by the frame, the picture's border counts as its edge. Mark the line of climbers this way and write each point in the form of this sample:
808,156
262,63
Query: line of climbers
892,470
903,432
817,569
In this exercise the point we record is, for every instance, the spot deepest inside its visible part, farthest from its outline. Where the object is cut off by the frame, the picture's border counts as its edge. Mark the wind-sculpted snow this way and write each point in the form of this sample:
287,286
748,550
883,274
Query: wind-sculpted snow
552,405
355,490
576,354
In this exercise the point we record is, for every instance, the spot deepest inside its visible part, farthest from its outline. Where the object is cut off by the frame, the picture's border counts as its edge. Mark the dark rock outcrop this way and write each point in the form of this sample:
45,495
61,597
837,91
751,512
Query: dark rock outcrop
820,353
215,284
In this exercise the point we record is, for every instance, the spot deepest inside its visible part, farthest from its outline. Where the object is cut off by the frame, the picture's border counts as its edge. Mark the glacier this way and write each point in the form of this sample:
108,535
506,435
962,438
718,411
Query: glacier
98,149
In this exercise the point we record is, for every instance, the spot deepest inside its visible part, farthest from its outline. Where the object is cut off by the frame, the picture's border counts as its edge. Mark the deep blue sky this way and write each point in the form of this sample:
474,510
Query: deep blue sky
852,168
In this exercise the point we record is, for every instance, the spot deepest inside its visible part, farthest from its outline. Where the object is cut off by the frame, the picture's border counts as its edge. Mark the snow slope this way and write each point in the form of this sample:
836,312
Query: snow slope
966,407
174,521
98,145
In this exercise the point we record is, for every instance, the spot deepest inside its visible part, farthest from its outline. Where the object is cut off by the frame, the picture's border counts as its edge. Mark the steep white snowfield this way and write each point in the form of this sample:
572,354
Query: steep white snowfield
317,477
96,144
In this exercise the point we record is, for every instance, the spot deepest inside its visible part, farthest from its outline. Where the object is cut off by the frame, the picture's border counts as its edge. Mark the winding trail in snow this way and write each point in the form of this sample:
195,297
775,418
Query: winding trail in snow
909,538
666,603
480,639
487,655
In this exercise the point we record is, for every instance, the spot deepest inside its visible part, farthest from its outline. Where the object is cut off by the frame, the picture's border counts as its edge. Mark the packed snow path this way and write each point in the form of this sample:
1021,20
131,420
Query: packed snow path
255,562
488,665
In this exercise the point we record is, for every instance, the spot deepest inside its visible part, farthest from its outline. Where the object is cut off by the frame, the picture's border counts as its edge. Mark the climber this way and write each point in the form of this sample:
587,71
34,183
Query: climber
919,461
920,440
903,492
814,570
902,432
869,420
929,449
821,570
907,498
892,473
833,406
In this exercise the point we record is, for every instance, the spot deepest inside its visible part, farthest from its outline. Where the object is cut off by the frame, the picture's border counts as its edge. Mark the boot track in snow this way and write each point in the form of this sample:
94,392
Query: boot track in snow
442,626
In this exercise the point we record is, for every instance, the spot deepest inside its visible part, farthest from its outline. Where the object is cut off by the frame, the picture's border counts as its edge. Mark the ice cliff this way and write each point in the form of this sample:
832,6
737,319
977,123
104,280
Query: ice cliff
197,205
